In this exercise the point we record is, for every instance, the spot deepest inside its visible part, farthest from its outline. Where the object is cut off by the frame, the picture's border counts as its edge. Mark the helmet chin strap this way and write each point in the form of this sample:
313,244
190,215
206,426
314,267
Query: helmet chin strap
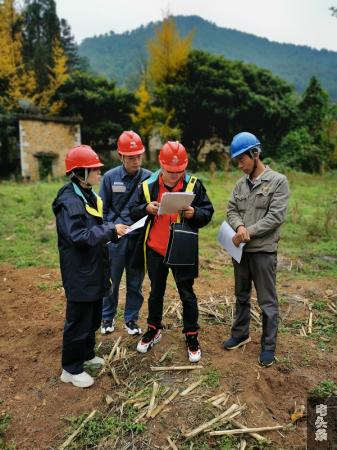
255,157
82,180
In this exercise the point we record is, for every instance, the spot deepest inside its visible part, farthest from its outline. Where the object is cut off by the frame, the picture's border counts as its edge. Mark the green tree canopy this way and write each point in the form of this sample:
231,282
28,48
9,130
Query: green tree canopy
212,96
105,109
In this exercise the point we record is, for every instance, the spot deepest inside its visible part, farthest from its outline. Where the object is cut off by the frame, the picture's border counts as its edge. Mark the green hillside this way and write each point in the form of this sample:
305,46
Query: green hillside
122,56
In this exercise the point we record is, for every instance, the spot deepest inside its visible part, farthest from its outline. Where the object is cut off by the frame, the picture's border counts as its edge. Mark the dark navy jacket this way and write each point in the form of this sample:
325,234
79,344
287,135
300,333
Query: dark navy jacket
203,212
81,242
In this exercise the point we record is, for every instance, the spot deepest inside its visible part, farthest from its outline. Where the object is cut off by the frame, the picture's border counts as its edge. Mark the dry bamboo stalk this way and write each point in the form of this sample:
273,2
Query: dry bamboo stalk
172,444
210,312
223,404
141,405
155,390
219,400
244,430
332,308
169,368
243,444
164,355
160,407
208,424
141,415
310,322
75,433
114,348
113,373
256,436
191,387
215,397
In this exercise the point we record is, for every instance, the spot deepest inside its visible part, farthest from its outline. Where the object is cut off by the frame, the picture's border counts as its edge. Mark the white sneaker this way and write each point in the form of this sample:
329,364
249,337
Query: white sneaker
133,328
108,326
95,361
81,380
151,337
194,356
193,347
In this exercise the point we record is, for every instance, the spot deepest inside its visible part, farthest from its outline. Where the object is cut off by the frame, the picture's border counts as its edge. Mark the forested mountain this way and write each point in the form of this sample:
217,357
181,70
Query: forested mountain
123,56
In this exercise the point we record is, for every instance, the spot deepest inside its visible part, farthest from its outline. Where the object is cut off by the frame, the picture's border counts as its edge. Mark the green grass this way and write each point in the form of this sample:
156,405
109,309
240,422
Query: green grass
324,389
28,235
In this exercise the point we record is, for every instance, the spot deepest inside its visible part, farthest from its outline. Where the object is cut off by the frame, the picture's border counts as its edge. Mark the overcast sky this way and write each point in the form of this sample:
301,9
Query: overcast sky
303,22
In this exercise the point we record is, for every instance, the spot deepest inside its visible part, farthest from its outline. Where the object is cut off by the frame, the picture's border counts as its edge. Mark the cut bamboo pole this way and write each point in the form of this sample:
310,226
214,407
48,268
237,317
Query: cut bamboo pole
210,312
256,436
215,397
310,322
244,430
114,348
160,407
155,390
208,424
170,368
219,400
75,433
191,387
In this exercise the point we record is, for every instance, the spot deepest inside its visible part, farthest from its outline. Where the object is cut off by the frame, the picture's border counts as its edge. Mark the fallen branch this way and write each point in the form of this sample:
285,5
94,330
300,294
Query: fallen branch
244,430
170,368
76,432
256,436
114,348
211,313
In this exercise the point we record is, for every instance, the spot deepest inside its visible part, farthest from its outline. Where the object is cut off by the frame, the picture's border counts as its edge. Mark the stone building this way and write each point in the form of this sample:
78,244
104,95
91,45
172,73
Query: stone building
44,142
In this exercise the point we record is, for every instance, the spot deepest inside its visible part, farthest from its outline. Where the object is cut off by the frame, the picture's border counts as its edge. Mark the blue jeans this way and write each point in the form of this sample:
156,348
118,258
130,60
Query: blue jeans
120,258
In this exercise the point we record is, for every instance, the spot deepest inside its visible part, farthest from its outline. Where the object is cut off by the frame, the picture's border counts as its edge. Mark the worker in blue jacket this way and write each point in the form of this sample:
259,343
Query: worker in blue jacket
84,261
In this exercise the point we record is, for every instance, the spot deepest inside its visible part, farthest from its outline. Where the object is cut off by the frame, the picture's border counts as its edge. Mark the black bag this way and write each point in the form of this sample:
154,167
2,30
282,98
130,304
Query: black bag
182,249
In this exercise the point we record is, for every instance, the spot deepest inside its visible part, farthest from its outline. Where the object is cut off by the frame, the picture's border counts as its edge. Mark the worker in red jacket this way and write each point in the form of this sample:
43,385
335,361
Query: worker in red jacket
172,177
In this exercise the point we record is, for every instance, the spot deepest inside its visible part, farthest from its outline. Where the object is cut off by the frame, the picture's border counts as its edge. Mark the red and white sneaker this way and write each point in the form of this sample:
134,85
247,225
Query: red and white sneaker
193,347
151,337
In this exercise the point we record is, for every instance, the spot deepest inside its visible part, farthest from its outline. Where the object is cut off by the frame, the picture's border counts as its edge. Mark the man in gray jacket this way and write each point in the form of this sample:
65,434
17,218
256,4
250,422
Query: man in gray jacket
256,211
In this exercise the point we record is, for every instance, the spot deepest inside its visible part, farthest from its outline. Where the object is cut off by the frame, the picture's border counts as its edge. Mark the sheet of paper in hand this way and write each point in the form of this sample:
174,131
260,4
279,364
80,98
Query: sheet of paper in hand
174,202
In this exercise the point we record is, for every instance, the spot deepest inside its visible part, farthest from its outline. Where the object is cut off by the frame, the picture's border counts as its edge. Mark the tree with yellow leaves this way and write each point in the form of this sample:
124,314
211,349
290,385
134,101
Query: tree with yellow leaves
17,82
58,75
168,51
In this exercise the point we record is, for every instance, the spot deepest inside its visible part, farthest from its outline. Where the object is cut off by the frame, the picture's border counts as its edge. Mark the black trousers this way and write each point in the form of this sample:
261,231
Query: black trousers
82,321
260,269
158,273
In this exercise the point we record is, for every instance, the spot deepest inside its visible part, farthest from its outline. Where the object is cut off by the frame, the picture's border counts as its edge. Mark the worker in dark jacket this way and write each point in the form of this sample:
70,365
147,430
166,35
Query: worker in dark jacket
84,261
170,178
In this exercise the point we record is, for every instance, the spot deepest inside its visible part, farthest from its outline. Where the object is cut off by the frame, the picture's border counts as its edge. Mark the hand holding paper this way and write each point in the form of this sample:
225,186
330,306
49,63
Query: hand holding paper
225,236
174,202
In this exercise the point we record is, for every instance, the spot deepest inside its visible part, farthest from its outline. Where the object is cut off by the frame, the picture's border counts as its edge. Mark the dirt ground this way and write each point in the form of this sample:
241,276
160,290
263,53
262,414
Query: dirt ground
32,313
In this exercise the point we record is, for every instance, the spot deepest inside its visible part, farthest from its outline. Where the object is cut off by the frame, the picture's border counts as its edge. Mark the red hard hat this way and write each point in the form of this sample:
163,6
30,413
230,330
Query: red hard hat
130,144
173,156
82,156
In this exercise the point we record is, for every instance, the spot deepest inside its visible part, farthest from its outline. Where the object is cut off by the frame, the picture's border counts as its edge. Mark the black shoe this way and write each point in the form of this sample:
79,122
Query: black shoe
266,358
233,342
193,347
133,327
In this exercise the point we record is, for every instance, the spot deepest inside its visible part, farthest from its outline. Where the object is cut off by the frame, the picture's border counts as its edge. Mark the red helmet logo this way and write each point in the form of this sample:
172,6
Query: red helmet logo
173,157
129,144
82,156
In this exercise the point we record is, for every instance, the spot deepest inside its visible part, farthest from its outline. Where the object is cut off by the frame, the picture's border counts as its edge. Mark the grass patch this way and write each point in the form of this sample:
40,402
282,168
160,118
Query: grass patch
4,424
212,379
28,234
324,389
100,427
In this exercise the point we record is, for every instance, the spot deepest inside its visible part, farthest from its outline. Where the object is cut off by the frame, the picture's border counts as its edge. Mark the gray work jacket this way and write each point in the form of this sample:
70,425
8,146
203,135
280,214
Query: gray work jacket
261,210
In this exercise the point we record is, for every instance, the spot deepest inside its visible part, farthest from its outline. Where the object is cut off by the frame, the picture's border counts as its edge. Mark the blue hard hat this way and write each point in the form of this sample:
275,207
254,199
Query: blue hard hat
243,142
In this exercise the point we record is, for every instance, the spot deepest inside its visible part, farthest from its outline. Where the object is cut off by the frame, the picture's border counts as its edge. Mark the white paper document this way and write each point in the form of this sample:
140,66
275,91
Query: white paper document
173,202
139,224
225,235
